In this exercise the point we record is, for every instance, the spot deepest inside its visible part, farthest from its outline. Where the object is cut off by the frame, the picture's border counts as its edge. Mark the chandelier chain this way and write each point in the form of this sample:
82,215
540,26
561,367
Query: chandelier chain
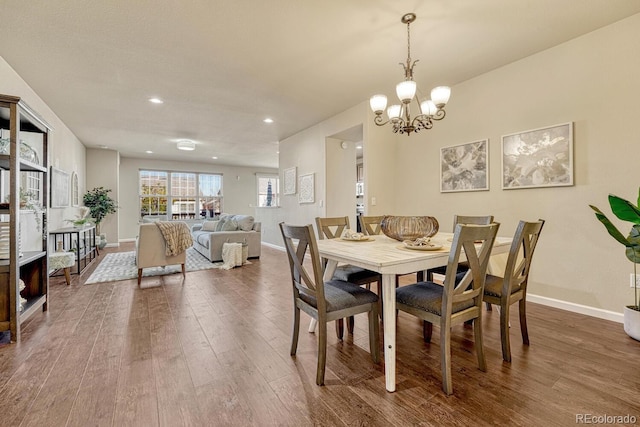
408,43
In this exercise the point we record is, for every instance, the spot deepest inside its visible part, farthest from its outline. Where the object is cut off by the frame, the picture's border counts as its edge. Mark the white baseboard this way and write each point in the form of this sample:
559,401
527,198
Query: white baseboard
113,245
551,302
133,239
271,245
577,308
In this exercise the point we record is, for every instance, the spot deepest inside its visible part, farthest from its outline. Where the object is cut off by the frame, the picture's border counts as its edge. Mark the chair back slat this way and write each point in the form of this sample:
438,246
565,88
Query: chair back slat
521,252
469,219
371,225
304,281
471,287
331,228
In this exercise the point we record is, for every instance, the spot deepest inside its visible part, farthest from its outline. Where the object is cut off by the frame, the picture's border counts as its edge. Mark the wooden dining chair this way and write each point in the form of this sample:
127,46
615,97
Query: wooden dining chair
459,219
512,288
456,301
324,301
371,225
332,228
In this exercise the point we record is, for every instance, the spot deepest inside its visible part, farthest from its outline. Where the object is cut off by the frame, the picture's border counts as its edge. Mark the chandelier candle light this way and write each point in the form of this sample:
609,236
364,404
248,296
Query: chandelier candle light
400,115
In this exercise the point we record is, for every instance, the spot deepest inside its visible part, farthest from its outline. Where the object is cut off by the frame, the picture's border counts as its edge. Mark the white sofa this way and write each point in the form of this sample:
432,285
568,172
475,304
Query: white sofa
209,236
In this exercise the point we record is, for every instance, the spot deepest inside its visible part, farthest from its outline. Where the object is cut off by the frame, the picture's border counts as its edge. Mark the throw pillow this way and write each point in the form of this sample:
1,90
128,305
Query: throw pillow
230,225
209,225
245,222
220,224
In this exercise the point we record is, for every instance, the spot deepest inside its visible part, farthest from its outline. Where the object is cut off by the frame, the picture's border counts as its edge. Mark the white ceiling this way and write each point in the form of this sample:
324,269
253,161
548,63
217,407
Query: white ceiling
223,66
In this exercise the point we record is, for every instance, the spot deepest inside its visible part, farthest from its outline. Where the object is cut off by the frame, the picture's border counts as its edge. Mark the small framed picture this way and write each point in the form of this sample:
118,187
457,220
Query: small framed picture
538,158
289,181
465,167
306,188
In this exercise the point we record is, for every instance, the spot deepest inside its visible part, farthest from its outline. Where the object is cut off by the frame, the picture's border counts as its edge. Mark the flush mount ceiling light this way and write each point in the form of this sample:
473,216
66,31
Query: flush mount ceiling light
186,145
268,120
156,101
400,115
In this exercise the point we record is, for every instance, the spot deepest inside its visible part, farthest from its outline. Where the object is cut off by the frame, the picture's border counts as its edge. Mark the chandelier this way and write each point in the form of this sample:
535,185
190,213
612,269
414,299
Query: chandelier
400,115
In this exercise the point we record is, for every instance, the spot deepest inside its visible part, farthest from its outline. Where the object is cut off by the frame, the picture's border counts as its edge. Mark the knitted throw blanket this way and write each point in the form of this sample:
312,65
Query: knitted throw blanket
176,235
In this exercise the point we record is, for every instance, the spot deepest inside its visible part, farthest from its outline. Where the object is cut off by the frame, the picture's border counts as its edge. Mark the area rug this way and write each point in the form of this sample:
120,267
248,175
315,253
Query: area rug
122,266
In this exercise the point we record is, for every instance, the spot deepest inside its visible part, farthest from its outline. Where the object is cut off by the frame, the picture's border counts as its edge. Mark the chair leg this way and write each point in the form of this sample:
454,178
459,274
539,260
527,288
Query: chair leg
427,330
296,331
351,321
374,334
477,333
339,328
380,306
522,308
67,276
504,333
184,273
322,352
139,276
445,350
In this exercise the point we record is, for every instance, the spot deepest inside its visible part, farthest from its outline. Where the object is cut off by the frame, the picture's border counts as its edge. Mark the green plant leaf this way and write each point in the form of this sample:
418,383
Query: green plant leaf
633,252
613,231
624,209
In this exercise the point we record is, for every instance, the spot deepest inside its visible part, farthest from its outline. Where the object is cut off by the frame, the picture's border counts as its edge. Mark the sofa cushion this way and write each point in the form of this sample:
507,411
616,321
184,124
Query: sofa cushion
245,222
202,237
209,225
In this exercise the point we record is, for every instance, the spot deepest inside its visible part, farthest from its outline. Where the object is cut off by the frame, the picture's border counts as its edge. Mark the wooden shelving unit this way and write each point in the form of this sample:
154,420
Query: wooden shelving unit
21,122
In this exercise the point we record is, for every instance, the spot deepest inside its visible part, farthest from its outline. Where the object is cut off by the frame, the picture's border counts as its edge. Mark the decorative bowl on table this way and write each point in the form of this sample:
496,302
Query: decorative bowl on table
409,227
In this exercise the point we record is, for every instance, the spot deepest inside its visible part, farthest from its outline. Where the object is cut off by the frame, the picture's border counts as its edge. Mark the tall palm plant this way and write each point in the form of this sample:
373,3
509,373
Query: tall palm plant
626,211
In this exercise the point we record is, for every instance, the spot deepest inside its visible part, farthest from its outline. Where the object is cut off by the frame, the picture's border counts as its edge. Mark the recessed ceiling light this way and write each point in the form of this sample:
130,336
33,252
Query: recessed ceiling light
149,152
277,152
214,158
359,147
186,144
104,147
268,120
156,100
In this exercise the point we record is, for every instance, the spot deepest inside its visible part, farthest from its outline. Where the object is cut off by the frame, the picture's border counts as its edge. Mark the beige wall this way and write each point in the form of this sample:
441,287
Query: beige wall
341,179
591,81
103,171
66,152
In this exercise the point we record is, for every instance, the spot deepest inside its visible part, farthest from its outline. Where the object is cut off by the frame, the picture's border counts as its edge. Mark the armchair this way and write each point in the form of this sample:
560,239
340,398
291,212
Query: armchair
151,250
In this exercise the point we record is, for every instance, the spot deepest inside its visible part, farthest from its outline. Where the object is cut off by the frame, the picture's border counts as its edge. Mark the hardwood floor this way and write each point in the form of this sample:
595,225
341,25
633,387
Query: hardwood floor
213,350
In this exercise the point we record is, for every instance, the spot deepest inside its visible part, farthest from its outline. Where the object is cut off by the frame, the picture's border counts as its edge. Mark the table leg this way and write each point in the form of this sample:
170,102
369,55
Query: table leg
329,271
389,317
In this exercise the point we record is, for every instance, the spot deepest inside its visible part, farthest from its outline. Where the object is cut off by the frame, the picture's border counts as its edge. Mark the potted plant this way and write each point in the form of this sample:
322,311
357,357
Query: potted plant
28,201
626,211
100,205
82,219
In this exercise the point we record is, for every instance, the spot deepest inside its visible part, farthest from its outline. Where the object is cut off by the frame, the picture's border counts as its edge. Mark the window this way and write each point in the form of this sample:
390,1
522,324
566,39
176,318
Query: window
183,195
268,191
180,195
210,192
153,193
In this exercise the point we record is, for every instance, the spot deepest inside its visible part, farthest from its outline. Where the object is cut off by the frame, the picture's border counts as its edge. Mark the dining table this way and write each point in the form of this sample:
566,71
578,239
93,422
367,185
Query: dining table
390,257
